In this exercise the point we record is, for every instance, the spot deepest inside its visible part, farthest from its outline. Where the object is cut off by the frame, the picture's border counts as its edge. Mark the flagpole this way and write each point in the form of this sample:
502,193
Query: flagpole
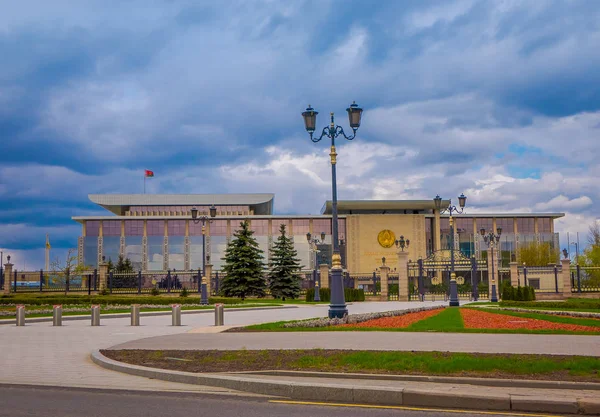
144,183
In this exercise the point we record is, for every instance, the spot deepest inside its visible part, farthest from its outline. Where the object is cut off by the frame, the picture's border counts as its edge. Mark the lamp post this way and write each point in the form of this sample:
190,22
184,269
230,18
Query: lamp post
313,242
492,239
197,219
576,252
337,307
462,200
402,243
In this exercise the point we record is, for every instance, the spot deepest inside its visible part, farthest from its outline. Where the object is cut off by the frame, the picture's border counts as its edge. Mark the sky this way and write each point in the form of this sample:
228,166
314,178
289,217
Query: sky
496,99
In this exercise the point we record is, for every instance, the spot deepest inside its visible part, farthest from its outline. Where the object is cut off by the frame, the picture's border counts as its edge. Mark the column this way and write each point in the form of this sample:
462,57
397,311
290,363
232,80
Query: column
208,274
166,247
403,294
102,276
492,252
436,231
324,270
514,274
566,277
7,277
383,274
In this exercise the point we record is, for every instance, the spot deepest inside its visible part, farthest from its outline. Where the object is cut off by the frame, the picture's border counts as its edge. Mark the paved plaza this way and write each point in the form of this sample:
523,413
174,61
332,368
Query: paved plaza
41,354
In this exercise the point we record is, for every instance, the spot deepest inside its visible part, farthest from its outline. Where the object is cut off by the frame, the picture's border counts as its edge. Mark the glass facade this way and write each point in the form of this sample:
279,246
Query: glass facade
176,252
90,251
155,253
196,252
111,246
133,251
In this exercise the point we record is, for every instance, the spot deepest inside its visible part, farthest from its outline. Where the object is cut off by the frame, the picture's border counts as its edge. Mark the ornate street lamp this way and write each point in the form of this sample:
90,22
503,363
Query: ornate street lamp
402,243
197,219
462,201
337,307
313,248
492,239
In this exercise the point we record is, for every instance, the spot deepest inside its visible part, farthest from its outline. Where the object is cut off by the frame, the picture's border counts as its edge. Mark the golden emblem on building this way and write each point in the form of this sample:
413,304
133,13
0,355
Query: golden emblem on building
386,238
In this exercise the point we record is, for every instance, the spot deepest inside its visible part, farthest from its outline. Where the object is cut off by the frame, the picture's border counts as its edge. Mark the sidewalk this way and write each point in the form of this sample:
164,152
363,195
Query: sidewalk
385,391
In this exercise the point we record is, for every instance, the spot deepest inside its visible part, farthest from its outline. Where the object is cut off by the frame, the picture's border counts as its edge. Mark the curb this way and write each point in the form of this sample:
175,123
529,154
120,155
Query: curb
360,395
488,382
144,314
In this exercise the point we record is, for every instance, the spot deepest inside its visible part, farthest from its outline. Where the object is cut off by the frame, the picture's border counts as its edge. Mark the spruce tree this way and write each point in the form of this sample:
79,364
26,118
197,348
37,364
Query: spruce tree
284,278
243,266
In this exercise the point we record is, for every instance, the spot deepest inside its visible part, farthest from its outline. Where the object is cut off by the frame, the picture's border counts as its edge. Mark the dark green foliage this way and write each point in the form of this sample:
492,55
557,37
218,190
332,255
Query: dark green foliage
184,292
572,303
350,294
284,279
243,266
483,288
517,294
155,291
97,299
123,265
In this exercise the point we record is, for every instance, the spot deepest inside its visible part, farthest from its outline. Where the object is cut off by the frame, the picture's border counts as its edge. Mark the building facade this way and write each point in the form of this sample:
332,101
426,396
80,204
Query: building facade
156,232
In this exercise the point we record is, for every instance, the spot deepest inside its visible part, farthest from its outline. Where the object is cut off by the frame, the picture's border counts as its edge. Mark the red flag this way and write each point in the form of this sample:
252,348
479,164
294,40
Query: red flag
149,173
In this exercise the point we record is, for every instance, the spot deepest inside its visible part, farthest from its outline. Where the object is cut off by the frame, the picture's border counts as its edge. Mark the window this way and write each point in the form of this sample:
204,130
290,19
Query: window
260,227
544,225
111,228
155,228
486,223
176,227
219,228
321,225
300,226
507,224
92,228
134,228
525,225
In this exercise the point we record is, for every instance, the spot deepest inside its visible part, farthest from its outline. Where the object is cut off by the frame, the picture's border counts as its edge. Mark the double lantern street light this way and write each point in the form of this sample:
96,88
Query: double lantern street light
202,281
462,200
313,242
492,239
337,307
402,243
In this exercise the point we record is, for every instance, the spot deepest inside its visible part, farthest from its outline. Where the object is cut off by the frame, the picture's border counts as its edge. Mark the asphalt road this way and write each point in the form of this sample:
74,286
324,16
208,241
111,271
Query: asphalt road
67,402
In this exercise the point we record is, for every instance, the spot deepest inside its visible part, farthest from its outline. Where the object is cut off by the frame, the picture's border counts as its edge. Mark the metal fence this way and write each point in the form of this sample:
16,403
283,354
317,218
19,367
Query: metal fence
393,287
585,279
543,279
370,282
50,281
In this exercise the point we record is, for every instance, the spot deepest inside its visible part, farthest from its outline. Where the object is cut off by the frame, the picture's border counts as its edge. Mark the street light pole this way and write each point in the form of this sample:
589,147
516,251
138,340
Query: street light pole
462,200
313,242
337,307
491,239
196,220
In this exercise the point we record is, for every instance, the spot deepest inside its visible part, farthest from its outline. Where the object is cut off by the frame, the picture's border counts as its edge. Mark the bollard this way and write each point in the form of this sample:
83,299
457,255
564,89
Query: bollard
219,315
96,315
176,320
20,315
135,314
57,315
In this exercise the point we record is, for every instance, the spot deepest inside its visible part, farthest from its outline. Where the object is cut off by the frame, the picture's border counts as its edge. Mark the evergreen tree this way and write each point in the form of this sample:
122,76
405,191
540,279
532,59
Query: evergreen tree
243,266
284,278
123,265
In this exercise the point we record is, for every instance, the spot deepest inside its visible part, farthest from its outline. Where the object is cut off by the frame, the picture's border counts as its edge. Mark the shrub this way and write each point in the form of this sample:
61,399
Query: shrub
350,294
518,294
184,292
155,292
104,292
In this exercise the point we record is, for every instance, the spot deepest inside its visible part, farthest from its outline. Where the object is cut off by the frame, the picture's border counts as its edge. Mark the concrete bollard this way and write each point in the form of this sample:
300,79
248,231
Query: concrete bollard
95,315
57,315
176,313
20,315
135,314
219,315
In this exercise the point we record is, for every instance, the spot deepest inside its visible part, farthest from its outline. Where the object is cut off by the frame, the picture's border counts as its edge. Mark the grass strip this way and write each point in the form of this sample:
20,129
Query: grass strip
546,317
564,368
449,320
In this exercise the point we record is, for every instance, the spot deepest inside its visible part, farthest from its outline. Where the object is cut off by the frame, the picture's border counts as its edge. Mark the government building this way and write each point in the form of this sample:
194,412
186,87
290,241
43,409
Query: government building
157,233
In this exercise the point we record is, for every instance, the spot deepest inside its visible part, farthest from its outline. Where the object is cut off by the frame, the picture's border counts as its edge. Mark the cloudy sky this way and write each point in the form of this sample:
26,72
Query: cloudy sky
496,99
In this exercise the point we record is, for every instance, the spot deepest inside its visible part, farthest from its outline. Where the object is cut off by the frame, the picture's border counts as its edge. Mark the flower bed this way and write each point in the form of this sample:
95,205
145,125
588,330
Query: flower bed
396,322
474,319
357,318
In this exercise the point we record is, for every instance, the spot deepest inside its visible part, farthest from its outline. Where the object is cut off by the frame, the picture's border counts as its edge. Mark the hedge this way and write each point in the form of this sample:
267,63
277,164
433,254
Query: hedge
518,294
103,300
591,304
350,294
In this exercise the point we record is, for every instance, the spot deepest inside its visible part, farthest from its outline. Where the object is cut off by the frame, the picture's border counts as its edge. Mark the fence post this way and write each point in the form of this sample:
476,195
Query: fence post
474,280
374,283
110,281
140,281
169,281
403,282
41,280
383,293
103,266
15,280
89,283
514,274
566,277
578,278
556,279
525,274
217,283
7,274
419,281
68,278
199,279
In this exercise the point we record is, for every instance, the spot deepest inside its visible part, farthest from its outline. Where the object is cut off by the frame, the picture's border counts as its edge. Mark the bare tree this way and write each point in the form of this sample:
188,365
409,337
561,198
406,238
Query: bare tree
594,234
63,271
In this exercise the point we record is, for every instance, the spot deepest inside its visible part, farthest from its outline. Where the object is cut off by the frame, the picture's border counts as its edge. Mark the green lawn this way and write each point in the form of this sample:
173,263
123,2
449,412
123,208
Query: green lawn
565,368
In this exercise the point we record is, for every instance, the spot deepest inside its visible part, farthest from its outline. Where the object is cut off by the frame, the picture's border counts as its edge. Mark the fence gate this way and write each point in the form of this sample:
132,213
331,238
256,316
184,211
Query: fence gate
429,279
